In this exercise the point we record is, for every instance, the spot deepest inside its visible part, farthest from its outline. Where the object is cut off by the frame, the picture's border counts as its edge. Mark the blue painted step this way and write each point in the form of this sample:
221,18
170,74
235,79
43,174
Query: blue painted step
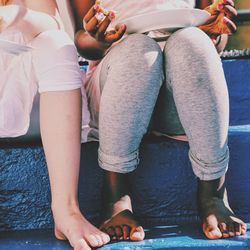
163,185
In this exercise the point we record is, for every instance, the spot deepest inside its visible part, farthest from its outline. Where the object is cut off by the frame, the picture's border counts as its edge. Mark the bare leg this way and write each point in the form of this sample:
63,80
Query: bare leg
218,219
60,129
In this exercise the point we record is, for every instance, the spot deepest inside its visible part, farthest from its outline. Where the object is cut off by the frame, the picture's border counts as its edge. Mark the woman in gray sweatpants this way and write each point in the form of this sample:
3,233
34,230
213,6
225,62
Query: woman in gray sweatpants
180,90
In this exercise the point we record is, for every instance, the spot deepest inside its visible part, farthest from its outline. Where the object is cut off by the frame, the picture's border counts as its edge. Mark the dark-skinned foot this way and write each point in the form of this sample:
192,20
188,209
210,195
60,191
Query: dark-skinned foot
218,219
123,226
119,221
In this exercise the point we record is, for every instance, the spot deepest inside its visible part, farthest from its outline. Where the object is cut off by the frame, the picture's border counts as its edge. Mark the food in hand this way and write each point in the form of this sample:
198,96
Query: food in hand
216,6
101,12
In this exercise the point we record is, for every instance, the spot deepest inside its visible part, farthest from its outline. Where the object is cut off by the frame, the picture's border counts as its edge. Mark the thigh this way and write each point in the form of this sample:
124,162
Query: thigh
165,118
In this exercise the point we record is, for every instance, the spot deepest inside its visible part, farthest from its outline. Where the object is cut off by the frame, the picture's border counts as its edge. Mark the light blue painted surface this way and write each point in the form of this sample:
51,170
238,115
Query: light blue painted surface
240,129
181,237
173,237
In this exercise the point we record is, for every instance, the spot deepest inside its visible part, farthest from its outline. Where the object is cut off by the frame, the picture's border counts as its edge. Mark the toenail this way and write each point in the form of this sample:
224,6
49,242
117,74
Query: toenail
93,240
105,237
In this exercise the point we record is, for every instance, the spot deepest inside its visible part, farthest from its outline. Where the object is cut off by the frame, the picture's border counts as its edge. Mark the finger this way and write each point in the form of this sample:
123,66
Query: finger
111,37
91,26
90,14
214,39
230,12
102,28
230,26
229,2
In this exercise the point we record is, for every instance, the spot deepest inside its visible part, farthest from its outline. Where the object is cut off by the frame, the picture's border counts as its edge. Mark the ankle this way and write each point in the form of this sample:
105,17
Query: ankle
213,188
63,208
122,204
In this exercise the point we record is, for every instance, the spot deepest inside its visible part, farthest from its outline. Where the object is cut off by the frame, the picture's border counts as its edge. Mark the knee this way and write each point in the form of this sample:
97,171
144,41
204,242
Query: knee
190,43
140,49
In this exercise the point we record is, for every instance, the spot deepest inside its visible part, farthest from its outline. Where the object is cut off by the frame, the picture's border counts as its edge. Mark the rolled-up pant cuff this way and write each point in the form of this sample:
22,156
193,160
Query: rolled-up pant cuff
119,164
209,171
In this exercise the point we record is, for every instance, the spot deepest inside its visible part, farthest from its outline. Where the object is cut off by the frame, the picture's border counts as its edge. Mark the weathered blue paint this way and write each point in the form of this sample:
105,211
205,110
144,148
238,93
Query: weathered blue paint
163,187
237,73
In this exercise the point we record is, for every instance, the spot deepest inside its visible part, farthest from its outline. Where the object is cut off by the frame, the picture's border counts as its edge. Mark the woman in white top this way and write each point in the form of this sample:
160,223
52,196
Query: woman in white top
123,85
52,69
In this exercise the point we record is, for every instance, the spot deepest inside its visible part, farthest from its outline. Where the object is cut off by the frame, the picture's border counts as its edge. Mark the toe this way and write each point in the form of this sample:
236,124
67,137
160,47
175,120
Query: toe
81,244
243,227
137,234
224,230
111,232
105,238
237,229
59,235
99,239
92,240
118,232
212,232
126,232
231,229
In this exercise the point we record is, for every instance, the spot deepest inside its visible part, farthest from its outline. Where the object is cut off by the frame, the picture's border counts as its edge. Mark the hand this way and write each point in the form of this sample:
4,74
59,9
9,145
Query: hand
98,29
222,11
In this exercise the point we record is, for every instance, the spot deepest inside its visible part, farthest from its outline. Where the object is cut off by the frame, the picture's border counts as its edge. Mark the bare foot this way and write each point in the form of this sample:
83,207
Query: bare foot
119,221
218,219
82,235
123,226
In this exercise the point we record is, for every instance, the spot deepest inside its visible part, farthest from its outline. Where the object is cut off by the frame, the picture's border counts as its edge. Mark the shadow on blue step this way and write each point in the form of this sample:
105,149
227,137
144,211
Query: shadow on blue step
173,237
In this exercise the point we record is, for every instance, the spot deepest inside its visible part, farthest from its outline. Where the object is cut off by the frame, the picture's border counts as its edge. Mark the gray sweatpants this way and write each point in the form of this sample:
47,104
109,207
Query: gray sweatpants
181,90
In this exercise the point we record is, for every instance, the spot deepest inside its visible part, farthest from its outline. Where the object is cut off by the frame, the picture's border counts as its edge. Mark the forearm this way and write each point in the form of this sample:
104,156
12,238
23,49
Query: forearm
88,47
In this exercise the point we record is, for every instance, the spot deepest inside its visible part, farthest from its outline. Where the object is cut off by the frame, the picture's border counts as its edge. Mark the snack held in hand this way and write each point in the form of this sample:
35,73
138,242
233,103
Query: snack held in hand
220,21
101,12
218,5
